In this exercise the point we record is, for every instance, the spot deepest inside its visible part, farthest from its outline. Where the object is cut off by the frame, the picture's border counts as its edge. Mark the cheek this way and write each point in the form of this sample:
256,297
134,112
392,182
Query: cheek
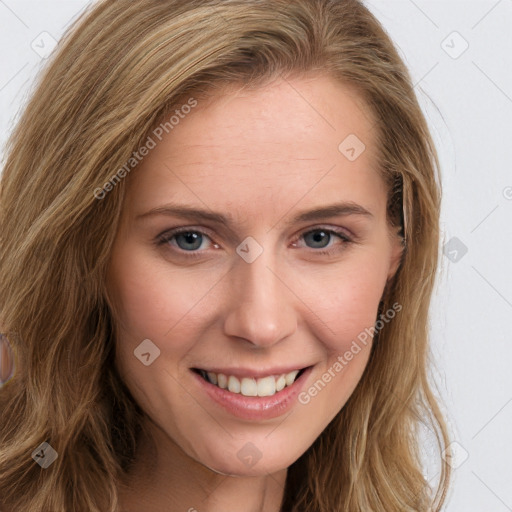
346,302
347,305
338,301
154,302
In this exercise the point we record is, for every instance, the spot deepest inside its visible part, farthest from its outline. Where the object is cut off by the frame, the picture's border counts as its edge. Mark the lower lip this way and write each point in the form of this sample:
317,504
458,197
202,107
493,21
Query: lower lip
255,407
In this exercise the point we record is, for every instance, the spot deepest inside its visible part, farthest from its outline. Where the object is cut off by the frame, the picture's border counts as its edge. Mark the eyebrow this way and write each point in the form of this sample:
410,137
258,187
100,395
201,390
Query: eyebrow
332,210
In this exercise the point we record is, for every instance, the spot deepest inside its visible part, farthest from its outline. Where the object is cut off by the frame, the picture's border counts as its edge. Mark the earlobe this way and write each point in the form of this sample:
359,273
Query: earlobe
396,256
394,264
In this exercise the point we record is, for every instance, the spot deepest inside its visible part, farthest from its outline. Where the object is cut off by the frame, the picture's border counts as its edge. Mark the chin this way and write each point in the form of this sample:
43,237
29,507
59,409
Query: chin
244,466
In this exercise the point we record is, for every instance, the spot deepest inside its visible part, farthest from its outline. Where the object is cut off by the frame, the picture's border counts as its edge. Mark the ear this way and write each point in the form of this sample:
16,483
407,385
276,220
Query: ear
397,250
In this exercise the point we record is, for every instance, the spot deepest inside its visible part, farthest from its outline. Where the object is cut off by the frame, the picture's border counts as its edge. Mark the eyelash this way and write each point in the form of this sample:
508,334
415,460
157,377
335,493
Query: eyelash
165,238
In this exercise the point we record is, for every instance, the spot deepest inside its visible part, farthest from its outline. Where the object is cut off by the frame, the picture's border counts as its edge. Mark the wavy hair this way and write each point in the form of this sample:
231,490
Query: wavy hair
115,74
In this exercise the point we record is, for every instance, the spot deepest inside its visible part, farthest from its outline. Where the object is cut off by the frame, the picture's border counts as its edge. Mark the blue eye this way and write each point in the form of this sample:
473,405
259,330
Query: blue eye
322,235
191,240
188,241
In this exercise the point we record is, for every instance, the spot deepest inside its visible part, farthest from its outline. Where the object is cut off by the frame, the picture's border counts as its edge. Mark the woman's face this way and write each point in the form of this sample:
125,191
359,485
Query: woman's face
282,284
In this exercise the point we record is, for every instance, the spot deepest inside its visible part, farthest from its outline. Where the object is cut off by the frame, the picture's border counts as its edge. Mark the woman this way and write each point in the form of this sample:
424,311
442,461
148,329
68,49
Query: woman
183,339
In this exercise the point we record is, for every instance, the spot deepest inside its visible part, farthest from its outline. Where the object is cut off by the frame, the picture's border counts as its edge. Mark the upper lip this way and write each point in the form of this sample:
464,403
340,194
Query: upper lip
241,372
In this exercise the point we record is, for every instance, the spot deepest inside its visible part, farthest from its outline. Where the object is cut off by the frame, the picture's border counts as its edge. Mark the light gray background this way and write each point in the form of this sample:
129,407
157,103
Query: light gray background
466,94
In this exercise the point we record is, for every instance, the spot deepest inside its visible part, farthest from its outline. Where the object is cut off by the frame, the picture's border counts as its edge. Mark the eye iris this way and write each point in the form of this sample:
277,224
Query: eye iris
190,238
194,238
317,236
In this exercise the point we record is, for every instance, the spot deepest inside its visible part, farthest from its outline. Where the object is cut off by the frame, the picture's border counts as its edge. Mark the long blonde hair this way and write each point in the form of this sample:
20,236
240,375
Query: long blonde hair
120,70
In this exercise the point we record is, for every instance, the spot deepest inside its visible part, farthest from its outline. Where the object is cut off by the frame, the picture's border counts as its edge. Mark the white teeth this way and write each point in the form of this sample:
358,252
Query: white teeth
222,381
233,384
280,383
249,387
290,377
266,386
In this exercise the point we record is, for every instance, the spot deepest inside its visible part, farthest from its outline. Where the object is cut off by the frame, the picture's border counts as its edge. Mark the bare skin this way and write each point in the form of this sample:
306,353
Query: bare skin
262,157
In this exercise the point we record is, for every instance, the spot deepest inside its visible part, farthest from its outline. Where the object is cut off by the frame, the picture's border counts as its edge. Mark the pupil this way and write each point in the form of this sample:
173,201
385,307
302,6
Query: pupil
317,237
190,238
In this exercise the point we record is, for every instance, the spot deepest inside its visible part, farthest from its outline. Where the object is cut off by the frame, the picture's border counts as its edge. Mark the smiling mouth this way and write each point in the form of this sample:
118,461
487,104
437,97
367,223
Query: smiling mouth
249,386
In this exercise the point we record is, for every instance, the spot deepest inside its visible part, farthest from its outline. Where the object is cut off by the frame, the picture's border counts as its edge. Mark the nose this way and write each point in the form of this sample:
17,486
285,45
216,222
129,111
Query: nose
261,306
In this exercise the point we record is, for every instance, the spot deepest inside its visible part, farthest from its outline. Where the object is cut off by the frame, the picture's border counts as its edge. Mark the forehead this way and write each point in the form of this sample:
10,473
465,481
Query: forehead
294,139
